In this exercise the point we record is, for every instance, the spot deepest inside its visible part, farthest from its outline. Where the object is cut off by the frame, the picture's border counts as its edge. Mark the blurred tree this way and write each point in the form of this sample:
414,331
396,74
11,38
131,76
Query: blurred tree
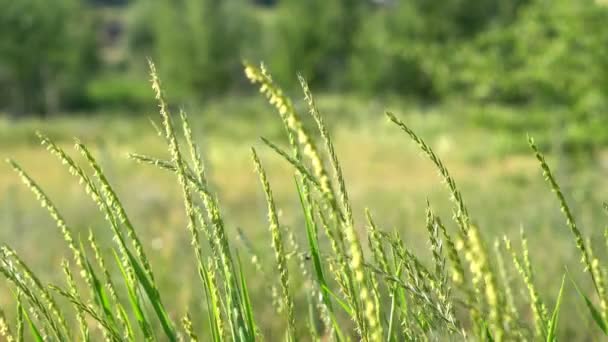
555,52
562,47
198,44
47,52
316,38
265,2
391,56
515,51
408,47
110,2
461,19
555,55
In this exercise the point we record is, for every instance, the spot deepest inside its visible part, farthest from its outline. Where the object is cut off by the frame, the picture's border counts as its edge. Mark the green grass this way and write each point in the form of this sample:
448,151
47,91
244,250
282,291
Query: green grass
396,279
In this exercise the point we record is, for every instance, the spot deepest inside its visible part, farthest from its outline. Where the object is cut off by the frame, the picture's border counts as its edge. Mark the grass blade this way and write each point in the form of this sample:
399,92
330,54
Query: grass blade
313,243
595,313
555,316
134,301
247,307
33,329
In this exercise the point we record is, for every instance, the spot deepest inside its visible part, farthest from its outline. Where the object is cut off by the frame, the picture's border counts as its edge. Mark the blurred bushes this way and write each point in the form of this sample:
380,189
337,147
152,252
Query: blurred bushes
554,56
553,52
199,44
316,38
47,52
545,54
119,92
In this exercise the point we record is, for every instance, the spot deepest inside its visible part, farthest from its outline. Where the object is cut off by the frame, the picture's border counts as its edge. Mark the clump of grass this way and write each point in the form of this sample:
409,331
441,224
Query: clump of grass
359,284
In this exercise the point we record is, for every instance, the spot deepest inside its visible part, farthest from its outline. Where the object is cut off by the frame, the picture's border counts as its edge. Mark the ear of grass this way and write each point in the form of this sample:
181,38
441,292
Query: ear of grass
151,293
106,201
277,245
600,276
462,215
372,328
187,324
361,294
299,137
128,329
276,98
80,317
508,299
457,269
181,166
375,243
110,297
551,329
344,274
115,206
418,285
80,306
252,252
403,304
66,231
296,164
134,274
110,205
138,262
311,323
484,279
440,285
578,237
20,318
101,297
5,329
235,313
178,161
357,290
195,154
536,303
329,146
169,166
590,264
200,183
213,302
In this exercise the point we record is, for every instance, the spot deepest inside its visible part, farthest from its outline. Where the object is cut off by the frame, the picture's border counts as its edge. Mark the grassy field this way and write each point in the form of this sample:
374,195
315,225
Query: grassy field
501,182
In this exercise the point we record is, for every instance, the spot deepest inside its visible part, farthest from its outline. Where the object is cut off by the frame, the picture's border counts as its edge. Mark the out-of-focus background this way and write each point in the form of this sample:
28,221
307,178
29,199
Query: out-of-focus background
473,77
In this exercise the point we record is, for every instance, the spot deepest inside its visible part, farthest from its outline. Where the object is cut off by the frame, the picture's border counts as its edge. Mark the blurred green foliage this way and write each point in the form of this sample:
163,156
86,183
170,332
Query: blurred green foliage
199,44
316,38
77,54
47,51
